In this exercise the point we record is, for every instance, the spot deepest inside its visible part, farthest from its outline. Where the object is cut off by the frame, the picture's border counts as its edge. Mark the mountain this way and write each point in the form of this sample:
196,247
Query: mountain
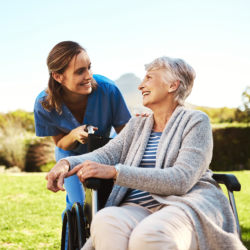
128,85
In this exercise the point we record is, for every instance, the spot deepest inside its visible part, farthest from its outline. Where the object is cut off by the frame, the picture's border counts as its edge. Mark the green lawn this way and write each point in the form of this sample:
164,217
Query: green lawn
30,216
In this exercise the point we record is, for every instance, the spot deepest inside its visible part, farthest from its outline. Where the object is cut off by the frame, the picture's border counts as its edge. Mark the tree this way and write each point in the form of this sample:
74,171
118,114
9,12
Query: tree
242,114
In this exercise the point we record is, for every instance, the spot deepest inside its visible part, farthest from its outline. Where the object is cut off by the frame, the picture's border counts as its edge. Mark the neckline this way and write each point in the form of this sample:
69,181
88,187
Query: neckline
156,133
87,110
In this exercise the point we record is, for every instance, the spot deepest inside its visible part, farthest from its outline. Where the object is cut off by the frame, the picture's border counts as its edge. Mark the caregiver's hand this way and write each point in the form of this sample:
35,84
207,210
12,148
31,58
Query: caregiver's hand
143,114
56,176
80,135
92,169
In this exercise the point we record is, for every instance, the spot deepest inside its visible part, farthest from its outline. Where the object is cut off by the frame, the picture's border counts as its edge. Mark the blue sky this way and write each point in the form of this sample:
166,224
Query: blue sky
121,36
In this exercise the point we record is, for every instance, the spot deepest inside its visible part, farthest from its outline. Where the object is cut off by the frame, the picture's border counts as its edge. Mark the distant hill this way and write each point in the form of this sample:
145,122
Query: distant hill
128,84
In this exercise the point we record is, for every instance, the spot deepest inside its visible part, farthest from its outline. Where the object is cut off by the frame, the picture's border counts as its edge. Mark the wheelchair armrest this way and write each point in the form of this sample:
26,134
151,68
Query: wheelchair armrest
229,180
92,183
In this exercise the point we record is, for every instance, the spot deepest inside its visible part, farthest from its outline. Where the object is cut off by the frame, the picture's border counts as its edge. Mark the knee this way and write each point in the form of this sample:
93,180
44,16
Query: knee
104,219
150,237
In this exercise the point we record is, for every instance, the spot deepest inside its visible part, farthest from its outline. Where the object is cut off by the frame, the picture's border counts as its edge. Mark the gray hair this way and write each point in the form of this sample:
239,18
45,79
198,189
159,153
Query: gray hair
175,69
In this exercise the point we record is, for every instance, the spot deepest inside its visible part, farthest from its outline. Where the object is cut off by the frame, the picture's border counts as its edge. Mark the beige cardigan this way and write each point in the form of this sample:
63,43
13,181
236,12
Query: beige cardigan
180,178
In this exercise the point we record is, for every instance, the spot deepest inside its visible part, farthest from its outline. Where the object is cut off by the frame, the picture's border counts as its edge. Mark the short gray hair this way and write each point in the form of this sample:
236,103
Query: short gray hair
175,69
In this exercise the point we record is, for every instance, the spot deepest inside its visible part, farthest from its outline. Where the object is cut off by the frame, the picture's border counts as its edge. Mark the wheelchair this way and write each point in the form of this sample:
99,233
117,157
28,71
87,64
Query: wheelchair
97,192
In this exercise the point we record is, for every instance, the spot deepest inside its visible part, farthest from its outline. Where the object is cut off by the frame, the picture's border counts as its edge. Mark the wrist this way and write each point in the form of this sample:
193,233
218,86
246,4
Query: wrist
65,164
72,134
117,170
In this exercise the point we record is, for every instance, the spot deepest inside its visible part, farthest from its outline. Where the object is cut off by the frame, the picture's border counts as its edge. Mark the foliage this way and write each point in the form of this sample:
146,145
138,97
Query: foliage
47,166
219,115
231,149
19,145
25,118
230,125
30,215
40,155
13,143
243,113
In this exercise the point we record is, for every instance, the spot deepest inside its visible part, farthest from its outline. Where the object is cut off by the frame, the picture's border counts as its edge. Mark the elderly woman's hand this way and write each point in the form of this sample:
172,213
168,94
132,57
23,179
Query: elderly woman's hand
93,169
56,176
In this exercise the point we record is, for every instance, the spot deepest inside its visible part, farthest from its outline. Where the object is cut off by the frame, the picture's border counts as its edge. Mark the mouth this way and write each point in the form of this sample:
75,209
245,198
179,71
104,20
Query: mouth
85,85
145,93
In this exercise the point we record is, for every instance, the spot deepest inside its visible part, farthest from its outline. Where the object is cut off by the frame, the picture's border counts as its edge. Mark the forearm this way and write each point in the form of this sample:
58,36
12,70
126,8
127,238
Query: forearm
67,142
170,181
110,154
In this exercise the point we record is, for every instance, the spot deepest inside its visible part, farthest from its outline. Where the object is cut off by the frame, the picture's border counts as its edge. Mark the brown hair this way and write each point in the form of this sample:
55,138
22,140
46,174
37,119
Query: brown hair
57,61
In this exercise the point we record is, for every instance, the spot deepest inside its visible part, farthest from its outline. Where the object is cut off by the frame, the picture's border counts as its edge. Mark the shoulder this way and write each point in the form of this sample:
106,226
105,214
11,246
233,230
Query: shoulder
41,96
196,115
197,120
137,121
105,83
103,80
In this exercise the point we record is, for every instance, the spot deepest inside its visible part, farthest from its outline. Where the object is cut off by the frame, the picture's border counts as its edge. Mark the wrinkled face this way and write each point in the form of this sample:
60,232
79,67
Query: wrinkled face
78,75
154,90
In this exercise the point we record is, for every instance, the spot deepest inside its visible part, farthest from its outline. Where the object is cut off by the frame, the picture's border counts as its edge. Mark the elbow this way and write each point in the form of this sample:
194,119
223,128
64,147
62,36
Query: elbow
181,189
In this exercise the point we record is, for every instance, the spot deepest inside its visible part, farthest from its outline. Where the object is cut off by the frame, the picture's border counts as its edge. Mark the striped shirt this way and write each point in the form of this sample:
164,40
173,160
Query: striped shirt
139,197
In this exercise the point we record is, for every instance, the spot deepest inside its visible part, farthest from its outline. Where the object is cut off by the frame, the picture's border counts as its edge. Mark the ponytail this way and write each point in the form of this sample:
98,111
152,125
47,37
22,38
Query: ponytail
54,99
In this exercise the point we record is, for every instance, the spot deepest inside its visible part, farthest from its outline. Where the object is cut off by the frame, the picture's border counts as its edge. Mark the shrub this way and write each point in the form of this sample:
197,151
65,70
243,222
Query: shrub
13,143
219,115
25,118
40,155
231,149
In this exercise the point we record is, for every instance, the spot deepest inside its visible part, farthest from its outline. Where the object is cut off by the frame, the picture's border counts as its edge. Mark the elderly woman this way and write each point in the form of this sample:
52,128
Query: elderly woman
164,195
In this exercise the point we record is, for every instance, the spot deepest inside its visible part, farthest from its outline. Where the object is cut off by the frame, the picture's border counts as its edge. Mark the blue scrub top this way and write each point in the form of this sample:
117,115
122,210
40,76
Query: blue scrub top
106,108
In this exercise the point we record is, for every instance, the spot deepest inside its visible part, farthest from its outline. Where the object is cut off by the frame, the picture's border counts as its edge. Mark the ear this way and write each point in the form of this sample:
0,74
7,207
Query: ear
174,86
57,77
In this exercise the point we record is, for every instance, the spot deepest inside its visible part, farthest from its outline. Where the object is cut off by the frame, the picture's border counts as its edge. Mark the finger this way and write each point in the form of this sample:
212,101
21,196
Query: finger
95,129
137,114
60,182
142,114
47,176
52,185
74,170
147,114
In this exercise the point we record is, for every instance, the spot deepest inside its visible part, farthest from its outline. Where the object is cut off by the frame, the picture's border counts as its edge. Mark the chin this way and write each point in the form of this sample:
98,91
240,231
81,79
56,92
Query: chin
86,92
144,103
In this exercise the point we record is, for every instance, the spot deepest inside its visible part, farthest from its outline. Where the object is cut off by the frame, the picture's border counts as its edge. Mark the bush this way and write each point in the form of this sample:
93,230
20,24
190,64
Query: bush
46,167
231,149
13,143
219,115
40,155
25,118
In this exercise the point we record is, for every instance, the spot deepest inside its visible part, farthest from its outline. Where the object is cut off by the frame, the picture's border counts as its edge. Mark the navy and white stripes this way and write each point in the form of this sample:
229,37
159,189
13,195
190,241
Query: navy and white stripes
139,197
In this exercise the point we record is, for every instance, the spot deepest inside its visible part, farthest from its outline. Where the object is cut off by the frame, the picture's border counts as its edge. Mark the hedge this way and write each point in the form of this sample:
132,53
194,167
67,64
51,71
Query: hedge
231,149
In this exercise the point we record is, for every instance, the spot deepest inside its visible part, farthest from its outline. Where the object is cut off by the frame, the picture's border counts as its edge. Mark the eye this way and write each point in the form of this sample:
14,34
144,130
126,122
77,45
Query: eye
89,66
80,72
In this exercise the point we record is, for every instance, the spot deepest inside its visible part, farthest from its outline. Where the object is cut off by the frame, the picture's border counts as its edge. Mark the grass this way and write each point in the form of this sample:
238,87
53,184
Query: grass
30,216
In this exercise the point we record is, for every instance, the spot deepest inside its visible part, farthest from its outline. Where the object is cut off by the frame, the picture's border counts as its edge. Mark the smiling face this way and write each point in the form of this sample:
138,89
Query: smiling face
154,91
77,76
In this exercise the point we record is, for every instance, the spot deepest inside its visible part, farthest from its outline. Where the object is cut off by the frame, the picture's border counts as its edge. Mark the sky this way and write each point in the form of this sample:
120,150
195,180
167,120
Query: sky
121,36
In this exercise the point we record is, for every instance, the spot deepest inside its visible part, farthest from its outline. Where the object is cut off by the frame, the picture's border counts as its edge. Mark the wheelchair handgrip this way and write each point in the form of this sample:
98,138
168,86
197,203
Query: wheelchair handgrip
92,183
229,180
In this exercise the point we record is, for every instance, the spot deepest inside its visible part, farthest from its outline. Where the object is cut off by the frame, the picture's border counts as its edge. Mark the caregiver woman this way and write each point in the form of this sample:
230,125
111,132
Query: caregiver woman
75,97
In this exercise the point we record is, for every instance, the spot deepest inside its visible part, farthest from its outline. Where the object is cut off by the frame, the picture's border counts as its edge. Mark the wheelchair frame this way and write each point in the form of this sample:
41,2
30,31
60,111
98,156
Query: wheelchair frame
96,197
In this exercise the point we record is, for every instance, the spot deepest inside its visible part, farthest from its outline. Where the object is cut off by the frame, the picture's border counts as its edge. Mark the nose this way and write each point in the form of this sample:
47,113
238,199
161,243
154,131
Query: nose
141,86
89,74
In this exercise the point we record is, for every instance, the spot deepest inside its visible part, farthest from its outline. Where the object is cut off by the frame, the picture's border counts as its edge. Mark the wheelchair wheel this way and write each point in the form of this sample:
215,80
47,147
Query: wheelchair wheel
78,224
67,220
